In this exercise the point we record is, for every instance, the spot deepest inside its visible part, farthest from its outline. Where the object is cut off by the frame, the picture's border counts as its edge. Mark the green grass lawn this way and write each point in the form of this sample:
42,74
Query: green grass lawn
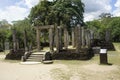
117,46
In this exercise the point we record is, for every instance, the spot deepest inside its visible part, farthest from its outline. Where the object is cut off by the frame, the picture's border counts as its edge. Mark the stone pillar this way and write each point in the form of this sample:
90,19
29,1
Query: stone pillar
75,30
14,40
60,37
83,37
73,37
107,35
92,34
38,39
79,40
87,36
17,44
66,38
91,37
57,40
51,41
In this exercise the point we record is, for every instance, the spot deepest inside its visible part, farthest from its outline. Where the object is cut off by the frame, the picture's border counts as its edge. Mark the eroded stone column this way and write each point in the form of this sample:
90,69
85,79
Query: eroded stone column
51,41
87,36
83,37
14,40
66,38
60,38
38,39
107,35
73,37
57,40
79,40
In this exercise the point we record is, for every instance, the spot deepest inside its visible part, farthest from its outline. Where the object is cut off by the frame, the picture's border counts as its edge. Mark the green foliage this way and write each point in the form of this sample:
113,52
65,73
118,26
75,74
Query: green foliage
107,23
4,24
68,12
115,28
4,33
95,26
20,27
39,13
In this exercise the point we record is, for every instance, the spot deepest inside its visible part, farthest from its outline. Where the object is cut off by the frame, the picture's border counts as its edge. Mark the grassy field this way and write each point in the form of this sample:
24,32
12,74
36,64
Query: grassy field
90,69
117,46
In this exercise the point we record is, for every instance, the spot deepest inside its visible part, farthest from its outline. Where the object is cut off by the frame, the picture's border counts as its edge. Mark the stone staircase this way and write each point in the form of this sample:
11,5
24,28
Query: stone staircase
36,57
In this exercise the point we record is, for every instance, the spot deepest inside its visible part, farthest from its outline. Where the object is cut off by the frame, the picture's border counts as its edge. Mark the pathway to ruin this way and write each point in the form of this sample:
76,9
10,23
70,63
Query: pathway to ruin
60,70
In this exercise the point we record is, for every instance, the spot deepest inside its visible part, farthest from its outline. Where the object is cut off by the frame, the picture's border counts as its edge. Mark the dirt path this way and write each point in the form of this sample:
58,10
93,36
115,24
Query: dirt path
17,71
60,70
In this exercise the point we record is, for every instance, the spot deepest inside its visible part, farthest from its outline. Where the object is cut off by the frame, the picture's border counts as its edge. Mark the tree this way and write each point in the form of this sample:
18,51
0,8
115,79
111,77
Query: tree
39,13
105,15
4,32
4,24
114,26
21,27
95,26
69,12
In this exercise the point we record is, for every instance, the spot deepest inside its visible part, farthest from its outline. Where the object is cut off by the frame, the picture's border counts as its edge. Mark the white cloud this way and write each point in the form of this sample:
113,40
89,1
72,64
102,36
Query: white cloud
117,11
93,8
117,4
18,11
13,13
31,3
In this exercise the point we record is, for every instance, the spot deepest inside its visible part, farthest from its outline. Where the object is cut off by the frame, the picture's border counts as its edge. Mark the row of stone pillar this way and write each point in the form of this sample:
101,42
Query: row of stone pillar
58,39
80,38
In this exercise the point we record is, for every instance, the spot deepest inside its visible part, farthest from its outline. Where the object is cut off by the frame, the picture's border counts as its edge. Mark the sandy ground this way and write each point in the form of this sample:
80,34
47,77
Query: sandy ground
59,70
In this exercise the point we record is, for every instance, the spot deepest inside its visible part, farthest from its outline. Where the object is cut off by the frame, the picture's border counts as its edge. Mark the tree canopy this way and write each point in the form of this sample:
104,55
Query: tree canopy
106,23
68,12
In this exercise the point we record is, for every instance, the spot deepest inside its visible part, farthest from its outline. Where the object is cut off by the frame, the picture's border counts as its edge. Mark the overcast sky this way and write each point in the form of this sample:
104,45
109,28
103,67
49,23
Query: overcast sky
12,10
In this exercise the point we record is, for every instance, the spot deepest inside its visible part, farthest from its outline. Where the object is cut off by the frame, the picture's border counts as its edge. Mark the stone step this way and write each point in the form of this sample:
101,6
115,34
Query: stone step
35,57
33,60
